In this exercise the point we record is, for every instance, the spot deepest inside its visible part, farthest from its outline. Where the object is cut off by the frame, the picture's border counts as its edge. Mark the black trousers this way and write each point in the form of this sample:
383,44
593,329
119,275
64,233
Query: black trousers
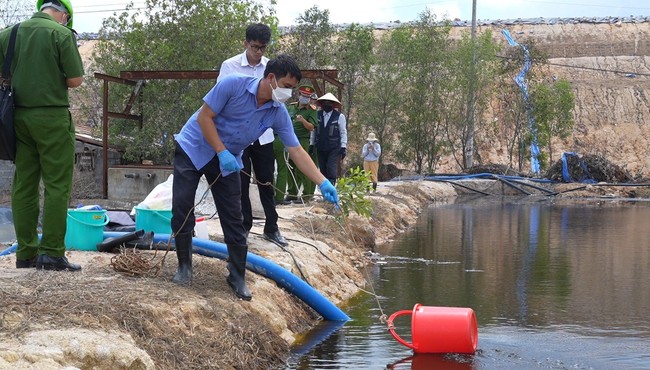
263,162
328,163
225,191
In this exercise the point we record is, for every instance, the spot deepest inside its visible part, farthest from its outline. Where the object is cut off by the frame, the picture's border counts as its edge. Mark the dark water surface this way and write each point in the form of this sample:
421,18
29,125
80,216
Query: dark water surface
554,284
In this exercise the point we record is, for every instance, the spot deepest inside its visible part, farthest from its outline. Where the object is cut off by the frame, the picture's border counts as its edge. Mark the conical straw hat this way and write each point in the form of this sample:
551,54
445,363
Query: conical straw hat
330,97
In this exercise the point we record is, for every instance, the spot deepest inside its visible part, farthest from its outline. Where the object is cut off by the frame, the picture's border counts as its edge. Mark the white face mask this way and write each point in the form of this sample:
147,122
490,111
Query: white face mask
303,100
280,94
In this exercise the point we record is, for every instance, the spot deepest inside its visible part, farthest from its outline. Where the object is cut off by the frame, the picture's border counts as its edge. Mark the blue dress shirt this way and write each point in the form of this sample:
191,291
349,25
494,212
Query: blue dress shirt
238,120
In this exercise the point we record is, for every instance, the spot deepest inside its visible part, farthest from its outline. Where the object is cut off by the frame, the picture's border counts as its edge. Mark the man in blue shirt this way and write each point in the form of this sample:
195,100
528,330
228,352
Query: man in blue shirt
236,111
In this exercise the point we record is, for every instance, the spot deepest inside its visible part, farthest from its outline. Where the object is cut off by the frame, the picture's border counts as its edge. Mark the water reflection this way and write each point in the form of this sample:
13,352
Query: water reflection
536,271
430,361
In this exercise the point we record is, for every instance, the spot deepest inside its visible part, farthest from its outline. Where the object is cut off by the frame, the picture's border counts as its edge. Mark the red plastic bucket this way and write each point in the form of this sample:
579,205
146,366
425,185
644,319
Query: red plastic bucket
439,329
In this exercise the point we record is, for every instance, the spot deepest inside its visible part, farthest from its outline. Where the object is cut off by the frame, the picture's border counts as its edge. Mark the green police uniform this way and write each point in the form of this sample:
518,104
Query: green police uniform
296,177
281,159
45,57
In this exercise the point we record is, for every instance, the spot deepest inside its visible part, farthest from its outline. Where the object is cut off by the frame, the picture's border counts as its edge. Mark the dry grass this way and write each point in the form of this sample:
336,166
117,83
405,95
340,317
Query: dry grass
204,326
197,327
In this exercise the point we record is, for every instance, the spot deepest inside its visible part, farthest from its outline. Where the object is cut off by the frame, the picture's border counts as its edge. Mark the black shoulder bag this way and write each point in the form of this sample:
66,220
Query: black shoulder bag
7,130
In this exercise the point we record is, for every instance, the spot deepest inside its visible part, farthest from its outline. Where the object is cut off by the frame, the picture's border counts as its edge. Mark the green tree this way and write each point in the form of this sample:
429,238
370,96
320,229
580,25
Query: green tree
310,42
168,35
510,122
379,109
471,70
352,189
424,47
353,59
553,106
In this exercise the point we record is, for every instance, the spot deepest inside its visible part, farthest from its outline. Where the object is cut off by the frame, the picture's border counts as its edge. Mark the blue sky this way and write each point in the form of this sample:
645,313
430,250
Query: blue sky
89,13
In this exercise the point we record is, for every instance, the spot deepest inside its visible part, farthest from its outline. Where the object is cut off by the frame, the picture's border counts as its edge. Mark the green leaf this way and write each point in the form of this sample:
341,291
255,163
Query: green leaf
352,190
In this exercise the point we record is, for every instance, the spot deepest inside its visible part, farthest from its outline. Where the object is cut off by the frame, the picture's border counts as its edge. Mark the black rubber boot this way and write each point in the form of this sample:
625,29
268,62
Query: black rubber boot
183,244
237,271
374,186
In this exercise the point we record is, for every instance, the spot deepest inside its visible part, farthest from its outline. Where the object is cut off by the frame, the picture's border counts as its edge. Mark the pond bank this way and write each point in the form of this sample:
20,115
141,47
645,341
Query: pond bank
105,319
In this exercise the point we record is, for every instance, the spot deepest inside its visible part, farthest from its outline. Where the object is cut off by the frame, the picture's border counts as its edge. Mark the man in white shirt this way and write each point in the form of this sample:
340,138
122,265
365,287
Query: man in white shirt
252,62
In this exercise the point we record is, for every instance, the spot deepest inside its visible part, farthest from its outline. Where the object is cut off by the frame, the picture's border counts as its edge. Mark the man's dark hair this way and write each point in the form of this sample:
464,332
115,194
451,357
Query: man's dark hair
258,32
283,65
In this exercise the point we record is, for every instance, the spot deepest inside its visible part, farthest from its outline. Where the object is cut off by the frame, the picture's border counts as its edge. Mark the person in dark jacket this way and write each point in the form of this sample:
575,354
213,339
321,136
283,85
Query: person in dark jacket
330,138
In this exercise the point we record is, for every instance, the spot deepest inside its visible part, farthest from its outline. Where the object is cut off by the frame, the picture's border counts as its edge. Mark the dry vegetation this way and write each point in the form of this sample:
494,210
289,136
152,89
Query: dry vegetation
589,167
197,327
202,326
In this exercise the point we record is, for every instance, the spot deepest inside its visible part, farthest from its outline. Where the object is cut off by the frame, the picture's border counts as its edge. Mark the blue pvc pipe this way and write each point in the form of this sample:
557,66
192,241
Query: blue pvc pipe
257,264
9,250
484,175
264,267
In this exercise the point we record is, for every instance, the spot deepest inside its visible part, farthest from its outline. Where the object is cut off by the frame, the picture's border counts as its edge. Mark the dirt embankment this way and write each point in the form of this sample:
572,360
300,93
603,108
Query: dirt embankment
608,67
103,319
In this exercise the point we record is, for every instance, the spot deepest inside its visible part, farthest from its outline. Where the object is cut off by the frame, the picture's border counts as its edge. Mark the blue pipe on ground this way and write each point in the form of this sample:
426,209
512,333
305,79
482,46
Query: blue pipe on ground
9,250
257,264
264,267
486,176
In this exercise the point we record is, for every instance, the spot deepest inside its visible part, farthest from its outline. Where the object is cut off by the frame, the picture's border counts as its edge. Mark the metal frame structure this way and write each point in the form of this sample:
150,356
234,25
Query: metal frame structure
320,78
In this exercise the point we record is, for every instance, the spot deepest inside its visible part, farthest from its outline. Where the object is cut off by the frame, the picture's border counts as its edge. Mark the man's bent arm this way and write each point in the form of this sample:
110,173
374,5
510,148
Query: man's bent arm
206,122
